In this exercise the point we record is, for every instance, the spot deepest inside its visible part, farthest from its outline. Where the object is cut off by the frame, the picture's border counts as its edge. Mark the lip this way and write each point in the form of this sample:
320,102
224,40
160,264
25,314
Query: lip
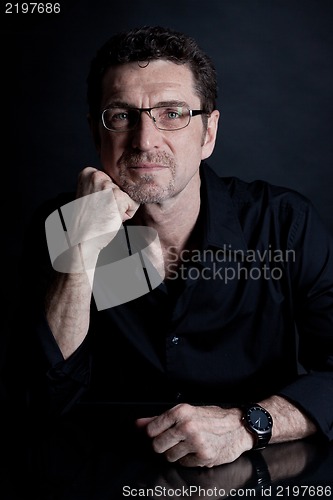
148,166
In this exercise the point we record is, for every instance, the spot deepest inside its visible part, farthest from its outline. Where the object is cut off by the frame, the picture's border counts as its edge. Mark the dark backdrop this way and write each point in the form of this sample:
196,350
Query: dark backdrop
274,63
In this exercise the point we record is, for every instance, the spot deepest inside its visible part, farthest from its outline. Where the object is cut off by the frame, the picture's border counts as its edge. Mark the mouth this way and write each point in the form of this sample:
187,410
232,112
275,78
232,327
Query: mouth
150,167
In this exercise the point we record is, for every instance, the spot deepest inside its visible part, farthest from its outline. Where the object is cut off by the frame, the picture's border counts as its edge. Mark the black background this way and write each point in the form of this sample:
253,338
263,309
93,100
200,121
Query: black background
275,70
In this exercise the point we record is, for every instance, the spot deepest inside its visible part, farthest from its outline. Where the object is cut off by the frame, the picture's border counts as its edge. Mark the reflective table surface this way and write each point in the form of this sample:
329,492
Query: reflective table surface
97,454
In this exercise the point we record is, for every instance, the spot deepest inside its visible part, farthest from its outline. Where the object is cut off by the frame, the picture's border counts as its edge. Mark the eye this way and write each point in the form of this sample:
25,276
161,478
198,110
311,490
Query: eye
173,114
120,116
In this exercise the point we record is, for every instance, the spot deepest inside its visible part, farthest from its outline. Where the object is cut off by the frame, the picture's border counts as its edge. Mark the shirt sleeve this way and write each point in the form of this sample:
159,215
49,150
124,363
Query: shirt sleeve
52,385
311,282
65,380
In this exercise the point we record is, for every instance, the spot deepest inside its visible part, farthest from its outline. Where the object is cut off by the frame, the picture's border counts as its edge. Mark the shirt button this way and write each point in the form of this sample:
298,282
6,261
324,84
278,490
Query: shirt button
175,340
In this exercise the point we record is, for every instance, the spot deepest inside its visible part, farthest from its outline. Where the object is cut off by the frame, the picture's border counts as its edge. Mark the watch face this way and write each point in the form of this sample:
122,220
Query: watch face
259,419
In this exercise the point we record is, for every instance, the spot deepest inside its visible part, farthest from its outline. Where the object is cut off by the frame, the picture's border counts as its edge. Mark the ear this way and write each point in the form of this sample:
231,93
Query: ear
210,135
94,129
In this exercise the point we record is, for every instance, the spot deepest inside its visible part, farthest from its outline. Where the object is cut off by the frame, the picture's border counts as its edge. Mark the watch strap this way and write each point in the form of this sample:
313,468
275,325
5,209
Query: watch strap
262,441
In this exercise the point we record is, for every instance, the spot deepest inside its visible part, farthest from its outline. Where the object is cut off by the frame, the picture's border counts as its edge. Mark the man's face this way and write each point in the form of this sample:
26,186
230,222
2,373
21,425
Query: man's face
149,164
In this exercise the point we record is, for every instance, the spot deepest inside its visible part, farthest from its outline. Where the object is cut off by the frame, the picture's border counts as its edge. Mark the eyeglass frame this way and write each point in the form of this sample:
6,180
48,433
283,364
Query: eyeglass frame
192,112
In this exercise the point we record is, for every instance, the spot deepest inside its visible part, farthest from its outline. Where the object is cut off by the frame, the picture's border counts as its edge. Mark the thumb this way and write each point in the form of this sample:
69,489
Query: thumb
141,423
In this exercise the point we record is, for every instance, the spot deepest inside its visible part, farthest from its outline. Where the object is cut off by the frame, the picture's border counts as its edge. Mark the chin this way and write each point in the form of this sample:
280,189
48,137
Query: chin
145,194
146,198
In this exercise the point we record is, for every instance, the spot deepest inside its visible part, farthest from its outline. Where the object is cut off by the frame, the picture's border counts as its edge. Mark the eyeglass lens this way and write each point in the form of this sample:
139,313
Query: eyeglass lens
164,117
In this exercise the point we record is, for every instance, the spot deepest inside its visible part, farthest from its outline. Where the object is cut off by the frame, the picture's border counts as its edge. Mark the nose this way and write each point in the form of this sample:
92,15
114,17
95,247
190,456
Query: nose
146,135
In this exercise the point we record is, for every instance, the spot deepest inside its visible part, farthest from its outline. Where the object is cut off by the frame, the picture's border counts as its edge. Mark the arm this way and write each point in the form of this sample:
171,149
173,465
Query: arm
68,310
290,423
95,221
210,435
56,306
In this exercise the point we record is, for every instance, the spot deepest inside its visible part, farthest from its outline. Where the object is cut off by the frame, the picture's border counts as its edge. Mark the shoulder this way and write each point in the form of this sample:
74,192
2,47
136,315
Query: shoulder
271,208
257,192
260,207
264,194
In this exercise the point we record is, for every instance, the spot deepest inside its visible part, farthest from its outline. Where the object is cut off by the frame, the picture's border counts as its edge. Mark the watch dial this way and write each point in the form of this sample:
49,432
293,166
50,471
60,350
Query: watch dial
259,420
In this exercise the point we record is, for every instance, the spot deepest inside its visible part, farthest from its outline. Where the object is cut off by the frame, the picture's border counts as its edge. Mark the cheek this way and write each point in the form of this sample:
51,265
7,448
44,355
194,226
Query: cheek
110,150
189,148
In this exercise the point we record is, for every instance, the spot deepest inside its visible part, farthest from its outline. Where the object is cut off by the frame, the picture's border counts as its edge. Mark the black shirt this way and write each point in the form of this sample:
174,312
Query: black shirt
248,314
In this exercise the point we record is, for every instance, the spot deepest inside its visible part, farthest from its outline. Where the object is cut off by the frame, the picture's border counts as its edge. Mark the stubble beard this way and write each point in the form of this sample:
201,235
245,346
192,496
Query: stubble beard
145,189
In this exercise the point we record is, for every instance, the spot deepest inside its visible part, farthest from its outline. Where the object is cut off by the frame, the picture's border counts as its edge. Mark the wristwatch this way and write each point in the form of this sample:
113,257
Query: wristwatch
259,422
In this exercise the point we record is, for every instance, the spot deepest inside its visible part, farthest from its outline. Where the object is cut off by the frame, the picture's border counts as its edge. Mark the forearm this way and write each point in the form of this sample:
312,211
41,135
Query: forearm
67,310
289,422
67,305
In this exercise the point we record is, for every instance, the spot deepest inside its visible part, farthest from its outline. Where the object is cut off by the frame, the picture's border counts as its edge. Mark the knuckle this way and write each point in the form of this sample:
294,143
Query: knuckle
182,410
170,457
157,446
86,171
189,427
99,178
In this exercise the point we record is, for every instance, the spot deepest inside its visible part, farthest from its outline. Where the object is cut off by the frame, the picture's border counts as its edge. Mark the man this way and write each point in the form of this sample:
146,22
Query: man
235,336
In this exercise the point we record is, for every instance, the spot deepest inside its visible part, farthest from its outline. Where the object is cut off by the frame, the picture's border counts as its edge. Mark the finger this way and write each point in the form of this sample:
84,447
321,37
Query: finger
180,452
87,171
192,460
91,180
176,453
126,206
130,212
167,441
187,456
142,422
161,423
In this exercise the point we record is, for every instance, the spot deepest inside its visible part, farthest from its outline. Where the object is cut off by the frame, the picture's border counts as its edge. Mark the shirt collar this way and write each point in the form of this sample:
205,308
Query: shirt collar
222,226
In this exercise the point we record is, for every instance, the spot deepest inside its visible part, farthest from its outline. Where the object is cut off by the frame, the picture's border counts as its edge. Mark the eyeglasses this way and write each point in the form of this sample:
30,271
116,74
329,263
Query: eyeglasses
164,117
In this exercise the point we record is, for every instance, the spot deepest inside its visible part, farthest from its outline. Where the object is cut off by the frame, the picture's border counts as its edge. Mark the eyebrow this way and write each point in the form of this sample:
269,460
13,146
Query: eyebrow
123,104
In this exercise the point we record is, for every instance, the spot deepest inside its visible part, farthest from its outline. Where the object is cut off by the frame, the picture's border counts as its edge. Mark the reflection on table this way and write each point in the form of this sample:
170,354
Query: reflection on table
93,456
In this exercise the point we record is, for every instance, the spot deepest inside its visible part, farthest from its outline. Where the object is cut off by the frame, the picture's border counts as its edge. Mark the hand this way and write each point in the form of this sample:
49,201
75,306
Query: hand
98,211
202,436
92,220
92,181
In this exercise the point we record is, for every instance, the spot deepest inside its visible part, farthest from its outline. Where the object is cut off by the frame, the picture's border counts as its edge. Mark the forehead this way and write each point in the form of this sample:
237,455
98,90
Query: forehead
160,79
